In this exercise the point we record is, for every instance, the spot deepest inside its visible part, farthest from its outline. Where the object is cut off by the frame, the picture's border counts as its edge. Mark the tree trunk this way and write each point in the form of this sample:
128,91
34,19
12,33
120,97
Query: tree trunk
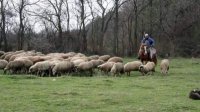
135,29
83,33
130,41
116,29
3,32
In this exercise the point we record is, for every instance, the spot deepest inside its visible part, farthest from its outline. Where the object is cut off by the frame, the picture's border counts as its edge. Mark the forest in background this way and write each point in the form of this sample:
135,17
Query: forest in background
112,27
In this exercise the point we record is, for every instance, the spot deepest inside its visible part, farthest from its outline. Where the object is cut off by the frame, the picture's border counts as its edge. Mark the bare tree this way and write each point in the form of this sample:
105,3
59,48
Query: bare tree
104,21
93,35
21,8
53,13
81,16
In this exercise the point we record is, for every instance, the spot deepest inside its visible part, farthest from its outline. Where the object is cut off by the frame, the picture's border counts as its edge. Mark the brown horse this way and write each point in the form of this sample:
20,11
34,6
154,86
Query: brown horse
146,57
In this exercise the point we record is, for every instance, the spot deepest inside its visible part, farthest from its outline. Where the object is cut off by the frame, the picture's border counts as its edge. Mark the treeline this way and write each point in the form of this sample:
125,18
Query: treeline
111,27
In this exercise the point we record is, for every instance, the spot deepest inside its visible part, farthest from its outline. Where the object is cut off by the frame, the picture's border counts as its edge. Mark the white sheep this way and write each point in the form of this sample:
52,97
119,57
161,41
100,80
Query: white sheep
164,66
106,67
94,57
85,66
149,67
117,68
104,57
132,66
62,67
116,59
96,63
40,68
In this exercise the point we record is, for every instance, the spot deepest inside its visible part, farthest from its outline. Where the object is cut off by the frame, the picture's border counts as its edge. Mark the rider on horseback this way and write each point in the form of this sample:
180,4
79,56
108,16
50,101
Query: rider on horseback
148,43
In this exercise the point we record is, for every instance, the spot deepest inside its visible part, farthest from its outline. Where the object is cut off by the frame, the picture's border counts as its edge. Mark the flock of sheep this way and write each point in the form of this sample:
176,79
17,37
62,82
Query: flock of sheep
54,64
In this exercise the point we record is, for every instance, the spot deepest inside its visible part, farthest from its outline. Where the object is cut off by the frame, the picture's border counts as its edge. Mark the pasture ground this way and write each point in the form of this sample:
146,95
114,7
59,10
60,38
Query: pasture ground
100,93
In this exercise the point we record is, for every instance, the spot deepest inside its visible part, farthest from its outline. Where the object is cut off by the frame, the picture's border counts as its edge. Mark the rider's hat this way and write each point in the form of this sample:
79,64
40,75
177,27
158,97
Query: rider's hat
146,35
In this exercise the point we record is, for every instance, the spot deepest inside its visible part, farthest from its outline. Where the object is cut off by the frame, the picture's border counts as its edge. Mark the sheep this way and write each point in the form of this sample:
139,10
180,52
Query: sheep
132,66
62,67
115,59
106,67
7,57
85,66
3,63
117,68
80,55
164,66
35,59
14,66
4,55
40,67
77,57
104,57
78,61
27,64
96,63
94,57
149,67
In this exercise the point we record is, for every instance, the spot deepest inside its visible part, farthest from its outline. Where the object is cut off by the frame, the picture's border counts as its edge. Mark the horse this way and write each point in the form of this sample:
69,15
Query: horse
144,58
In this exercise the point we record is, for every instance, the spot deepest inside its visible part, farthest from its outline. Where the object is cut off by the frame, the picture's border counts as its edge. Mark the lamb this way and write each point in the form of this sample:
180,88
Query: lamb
62,67
104,57
106,67
3,63
116,59
117,68
132,66
149,67
164,66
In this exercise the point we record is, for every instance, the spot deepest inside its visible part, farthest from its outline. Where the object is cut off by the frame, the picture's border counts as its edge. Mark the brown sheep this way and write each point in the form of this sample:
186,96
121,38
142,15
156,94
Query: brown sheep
14,66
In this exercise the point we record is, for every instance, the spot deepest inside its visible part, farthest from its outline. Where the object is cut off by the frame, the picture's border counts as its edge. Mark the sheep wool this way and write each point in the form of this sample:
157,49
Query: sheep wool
164,66
132,66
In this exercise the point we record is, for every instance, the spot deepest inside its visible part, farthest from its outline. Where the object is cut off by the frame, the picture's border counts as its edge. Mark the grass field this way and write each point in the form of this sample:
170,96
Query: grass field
100,93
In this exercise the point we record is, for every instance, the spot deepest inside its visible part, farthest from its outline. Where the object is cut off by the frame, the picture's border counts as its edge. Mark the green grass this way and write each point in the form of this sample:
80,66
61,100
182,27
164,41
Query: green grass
155,93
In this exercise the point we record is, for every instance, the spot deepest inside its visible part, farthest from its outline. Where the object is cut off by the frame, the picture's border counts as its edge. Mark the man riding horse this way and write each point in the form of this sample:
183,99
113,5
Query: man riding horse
147,51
